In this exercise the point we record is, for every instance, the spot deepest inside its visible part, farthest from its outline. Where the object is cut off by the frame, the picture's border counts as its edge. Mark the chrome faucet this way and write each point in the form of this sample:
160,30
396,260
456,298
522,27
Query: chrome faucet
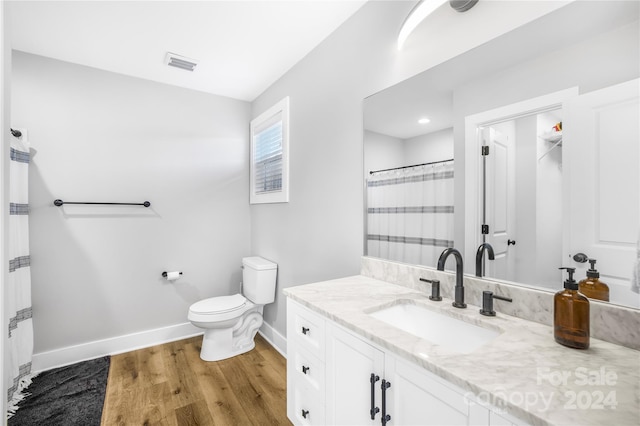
479,254
459,292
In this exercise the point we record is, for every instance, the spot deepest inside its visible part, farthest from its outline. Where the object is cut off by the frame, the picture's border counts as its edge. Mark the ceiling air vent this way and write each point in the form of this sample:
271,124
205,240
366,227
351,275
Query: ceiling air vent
181,62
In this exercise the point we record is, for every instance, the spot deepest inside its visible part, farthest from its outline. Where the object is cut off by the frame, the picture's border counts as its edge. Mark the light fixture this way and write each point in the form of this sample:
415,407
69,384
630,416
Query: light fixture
424,120
181,62
425,8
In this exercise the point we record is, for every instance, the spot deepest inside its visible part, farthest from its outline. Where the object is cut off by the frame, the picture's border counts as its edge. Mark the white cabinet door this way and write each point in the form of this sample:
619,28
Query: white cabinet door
417,397
349,365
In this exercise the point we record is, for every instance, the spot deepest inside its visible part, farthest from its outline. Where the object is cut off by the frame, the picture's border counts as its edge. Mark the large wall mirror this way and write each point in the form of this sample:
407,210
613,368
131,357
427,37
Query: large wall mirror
555,103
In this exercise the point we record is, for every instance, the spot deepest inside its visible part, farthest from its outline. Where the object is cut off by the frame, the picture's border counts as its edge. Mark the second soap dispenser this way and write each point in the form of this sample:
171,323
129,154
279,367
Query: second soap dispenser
591,286
571,315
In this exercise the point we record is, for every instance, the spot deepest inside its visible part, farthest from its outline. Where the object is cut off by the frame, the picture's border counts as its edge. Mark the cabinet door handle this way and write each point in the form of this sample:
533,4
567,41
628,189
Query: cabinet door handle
305,369
305,330
385,417
374,410
305,413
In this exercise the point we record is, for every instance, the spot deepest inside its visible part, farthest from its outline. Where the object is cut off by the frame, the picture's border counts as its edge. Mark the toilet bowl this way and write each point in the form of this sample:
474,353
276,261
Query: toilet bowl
230,323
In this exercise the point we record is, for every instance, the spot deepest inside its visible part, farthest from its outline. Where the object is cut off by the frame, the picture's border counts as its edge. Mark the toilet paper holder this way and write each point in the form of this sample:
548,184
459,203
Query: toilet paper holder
164,274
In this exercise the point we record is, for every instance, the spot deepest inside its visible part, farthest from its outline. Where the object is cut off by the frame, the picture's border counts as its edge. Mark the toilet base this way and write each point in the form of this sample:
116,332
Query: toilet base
223,343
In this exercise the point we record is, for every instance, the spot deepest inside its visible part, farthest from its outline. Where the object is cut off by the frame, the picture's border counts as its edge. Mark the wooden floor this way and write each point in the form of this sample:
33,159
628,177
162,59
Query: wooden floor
170,385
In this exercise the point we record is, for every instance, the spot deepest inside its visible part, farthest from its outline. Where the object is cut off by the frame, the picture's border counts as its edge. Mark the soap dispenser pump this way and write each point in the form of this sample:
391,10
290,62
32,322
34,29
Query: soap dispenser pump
571,315
591,286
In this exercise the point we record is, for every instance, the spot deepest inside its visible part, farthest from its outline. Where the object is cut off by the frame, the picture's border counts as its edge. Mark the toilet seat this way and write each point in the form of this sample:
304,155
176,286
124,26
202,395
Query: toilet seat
219,305
219,308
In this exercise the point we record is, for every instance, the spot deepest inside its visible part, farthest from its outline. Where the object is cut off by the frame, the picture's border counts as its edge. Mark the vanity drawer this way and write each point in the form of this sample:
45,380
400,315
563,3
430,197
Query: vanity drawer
306,328
306,406
306,369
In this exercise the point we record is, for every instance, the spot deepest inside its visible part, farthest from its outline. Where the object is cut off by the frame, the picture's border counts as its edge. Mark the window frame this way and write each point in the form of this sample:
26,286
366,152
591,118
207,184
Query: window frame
281,108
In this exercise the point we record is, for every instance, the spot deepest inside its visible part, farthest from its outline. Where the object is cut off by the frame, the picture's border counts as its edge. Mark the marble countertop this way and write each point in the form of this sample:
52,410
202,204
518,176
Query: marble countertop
523,370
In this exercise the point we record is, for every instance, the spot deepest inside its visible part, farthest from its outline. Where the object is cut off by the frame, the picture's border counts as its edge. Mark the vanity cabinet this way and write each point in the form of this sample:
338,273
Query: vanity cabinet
417,397
351,364
335,377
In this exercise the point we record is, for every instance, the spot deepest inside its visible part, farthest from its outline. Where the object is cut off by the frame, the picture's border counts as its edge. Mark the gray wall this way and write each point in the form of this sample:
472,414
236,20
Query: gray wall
99,136
318,234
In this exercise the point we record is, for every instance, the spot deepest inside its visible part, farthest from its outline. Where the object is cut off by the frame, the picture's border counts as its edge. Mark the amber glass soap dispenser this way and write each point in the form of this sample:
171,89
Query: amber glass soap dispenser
571,315
591,286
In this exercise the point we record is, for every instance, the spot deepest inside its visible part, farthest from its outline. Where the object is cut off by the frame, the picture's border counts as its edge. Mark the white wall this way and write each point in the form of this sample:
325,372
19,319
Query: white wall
549,200
524,133
435,146
383,152
318,234
99,136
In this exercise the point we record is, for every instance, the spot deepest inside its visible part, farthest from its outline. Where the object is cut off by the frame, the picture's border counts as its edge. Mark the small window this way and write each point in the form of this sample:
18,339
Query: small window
270,155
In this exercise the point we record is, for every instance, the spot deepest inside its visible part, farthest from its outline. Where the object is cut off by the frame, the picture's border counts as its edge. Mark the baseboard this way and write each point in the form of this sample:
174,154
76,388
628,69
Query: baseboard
277,340
70,355
130,342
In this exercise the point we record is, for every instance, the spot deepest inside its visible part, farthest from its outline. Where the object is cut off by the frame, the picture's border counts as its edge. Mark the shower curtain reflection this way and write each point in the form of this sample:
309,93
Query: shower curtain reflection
410,213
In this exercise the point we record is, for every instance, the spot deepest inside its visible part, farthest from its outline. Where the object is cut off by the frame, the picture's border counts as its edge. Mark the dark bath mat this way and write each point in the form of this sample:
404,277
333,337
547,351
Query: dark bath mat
71,395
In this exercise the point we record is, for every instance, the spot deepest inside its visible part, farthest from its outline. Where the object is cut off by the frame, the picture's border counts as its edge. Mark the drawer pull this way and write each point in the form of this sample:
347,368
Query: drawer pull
305,413
374,410
305,330
305,369
385,417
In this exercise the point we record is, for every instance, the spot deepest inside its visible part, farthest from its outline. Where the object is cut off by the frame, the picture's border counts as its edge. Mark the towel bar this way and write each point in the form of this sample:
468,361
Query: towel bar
60,203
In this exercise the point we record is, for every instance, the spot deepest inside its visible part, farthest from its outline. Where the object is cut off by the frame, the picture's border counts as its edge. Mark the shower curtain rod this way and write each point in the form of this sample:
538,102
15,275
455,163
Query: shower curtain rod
407,167
60,203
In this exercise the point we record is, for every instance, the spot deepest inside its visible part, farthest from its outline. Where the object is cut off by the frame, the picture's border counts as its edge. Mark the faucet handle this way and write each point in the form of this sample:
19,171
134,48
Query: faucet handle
487,303
435,289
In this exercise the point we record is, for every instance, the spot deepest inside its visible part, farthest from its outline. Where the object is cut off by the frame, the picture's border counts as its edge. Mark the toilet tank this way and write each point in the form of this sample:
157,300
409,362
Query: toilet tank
259,280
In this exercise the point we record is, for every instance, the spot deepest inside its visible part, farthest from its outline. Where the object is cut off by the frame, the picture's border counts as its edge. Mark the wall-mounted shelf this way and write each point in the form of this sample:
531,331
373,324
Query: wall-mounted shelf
552,137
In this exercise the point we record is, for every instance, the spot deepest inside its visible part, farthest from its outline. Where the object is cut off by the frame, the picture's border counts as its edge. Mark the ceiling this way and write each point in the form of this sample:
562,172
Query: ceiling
242,47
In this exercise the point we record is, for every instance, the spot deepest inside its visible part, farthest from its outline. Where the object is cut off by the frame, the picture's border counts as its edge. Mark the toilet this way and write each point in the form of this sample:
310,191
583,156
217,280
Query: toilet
230,323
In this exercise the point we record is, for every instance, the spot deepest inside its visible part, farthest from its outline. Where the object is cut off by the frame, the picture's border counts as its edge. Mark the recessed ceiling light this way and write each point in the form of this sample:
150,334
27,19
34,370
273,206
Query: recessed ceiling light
424,121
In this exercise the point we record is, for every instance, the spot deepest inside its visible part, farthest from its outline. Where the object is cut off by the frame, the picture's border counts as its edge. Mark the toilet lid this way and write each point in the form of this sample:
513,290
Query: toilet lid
220,304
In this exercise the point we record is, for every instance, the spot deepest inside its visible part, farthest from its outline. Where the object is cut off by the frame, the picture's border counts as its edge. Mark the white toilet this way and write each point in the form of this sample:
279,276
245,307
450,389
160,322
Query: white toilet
231,322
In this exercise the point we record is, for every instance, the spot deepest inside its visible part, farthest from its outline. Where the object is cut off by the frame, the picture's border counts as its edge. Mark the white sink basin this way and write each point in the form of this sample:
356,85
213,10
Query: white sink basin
437,328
